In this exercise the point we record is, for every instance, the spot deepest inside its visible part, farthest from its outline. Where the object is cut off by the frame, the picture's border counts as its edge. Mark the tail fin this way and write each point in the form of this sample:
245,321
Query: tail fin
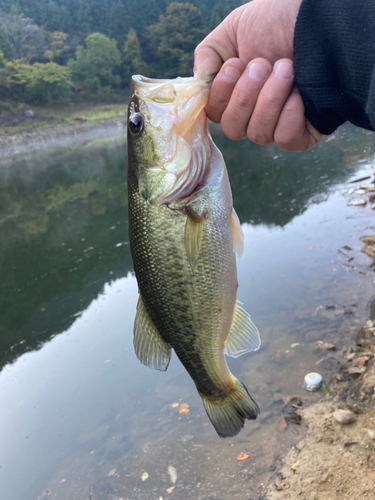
228,414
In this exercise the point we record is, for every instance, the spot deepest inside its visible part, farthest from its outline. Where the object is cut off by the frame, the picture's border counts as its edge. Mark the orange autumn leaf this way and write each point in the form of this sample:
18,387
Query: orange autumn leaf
184,405
174,405
243,456
183,410
320,342
282,424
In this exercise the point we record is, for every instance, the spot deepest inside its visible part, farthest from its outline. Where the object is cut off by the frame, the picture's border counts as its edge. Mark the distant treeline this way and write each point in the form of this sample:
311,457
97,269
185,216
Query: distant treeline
50,49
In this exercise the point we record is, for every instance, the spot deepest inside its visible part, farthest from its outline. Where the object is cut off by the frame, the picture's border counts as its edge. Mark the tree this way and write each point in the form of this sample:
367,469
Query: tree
56,45
2,59
174,38
119,22
39,83
25,38
132,62
95,65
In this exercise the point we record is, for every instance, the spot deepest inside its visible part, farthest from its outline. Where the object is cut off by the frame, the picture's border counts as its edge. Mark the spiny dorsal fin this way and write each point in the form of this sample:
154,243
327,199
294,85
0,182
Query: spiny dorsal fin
243,336
237,234
149,346
193,235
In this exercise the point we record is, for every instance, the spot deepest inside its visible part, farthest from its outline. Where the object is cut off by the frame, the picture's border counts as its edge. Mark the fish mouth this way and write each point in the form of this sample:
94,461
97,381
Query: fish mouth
145,82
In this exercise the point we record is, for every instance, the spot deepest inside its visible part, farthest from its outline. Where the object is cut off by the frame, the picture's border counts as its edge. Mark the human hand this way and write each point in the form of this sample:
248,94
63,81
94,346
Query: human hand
253,93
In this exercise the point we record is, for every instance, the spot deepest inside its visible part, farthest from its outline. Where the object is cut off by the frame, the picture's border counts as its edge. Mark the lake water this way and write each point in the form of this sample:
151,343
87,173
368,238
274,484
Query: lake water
80,417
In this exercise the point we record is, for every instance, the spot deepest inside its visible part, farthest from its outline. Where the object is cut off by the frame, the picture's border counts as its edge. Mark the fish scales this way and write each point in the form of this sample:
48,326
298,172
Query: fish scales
183,237
182,303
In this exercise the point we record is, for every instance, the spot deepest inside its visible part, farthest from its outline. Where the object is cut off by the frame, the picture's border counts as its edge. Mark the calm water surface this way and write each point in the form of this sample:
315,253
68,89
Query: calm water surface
80,417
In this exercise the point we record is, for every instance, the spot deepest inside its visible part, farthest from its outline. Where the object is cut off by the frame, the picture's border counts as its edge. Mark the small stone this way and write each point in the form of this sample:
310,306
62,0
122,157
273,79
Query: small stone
344,417
361,361
369,323
371,433
328,347
350,356
356,370
371,187
357,203
30,114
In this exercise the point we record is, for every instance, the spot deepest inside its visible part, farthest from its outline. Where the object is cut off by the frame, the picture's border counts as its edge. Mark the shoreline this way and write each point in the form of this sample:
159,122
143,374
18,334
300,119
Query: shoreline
11,145
336,458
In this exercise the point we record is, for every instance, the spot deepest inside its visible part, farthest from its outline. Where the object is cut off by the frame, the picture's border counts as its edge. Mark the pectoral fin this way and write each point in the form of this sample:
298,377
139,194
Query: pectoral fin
243,336
193,235
237,234
149,346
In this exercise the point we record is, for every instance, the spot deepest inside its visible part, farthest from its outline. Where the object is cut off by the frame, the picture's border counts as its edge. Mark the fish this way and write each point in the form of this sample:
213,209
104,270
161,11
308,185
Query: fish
184,235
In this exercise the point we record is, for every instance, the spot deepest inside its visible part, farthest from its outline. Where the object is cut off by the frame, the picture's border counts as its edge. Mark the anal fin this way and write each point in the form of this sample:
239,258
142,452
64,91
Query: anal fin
243,336
149,346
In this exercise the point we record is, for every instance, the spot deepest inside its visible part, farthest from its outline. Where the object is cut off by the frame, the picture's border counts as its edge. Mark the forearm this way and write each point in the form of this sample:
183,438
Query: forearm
334,58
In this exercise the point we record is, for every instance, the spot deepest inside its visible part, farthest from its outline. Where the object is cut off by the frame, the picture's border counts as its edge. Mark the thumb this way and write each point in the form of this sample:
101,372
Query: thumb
215,49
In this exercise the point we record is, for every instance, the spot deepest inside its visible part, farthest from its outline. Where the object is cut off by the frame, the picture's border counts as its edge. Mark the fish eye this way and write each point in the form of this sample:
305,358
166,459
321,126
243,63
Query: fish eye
136,124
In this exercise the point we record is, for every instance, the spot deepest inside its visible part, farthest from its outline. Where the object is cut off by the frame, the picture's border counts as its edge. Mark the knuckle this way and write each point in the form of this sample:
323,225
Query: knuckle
258,137
235,134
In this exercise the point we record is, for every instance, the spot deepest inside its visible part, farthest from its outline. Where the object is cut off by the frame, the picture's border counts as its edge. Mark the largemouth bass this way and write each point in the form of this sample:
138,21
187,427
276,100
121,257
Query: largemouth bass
184,234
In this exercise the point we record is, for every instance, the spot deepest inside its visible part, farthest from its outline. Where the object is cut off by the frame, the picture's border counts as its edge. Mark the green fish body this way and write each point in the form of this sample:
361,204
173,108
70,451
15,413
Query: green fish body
184,234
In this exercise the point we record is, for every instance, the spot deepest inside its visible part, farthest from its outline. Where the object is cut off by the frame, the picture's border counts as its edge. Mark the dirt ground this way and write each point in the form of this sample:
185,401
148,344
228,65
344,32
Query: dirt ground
56,121
337,460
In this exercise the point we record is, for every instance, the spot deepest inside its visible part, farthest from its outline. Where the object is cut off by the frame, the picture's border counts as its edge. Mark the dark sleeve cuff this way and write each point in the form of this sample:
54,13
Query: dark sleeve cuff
334,58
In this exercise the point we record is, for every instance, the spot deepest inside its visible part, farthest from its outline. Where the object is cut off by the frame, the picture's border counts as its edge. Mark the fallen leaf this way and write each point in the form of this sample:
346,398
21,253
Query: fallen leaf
328,415
184,408
312,246
243,456
169,490
295,345
46,493
172,474
112,472
282,424
174,405
294,466
144,476
320,342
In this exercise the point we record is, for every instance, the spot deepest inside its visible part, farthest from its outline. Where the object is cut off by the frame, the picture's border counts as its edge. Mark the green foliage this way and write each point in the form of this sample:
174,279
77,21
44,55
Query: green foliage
94,66
155,37
174,39
56,45
132,62
38,83
5,47
2,59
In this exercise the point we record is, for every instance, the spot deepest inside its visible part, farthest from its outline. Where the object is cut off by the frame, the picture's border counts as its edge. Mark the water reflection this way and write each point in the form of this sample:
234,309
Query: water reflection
81,416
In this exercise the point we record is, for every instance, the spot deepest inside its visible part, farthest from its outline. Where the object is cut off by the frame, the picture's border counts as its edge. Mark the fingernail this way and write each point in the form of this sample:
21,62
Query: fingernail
284,69
257,72
231,73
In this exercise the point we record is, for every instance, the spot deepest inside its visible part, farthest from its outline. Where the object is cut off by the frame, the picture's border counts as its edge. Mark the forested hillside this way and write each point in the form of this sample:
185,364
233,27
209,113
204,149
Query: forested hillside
52,49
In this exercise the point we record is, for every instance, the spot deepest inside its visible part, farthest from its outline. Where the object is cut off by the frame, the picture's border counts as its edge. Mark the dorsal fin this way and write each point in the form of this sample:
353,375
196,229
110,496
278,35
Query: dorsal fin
243,336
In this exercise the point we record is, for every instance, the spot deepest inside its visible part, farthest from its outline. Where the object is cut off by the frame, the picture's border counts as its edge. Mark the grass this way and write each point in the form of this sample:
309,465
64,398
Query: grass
14,121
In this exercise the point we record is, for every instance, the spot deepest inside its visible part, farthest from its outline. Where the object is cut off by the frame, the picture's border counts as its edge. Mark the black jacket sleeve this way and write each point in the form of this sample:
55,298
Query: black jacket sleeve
334,59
